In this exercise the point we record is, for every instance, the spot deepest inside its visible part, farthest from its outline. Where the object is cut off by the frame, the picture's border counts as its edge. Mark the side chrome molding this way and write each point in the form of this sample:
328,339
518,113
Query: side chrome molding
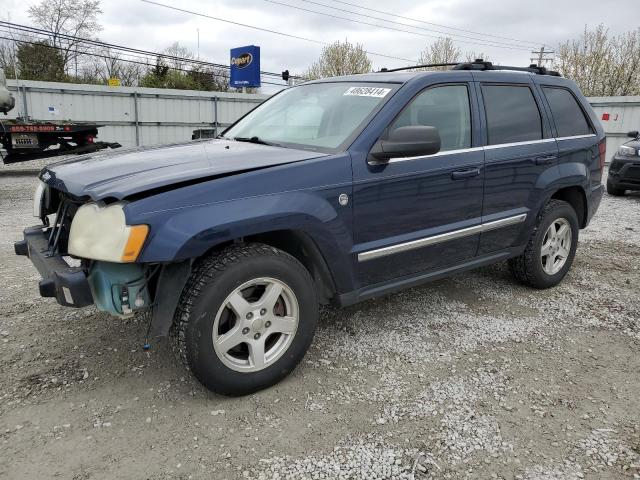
442,237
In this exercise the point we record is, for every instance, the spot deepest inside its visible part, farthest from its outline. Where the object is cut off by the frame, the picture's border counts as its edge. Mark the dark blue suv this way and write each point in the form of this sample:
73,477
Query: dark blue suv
334,191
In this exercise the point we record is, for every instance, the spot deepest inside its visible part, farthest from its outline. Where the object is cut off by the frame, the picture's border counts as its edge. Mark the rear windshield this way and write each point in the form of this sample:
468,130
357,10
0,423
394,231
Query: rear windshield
317,116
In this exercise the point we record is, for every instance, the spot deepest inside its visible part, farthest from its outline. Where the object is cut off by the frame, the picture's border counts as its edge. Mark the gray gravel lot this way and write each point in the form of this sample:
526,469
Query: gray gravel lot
468,377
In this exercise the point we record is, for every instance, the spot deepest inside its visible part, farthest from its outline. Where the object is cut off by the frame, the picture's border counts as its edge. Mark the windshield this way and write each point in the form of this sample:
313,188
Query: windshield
319,116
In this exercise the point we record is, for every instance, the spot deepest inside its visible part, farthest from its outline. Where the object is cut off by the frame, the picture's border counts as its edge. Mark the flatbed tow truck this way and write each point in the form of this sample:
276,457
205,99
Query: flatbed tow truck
26,139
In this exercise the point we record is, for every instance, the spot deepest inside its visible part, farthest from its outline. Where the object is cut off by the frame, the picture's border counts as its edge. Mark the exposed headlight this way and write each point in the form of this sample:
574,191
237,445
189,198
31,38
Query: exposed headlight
100,232
627,151
37,199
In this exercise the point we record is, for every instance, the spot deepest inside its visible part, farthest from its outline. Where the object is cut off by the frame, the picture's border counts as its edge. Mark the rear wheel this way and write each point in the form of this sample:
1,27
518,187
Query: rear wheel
613,190
550,251
246,318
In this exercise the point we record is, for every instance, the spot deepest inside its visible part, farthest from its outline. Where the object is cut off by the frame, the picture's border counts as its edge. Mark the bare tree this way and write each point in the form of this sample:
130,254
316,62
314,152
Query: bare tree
340,58
442,50
602,65
111,65
179,52
65,19
7,58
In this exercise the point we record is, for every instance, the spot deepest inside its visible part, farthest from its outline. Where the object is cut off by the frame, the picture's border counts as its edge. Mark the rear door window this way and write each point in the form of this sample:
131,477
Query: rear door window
568,115
512,114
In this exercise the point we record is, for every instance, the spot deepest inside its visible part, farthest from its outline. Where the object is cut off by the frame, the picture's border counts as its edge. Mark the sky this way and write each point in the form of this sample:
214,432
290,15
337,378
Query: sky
524,25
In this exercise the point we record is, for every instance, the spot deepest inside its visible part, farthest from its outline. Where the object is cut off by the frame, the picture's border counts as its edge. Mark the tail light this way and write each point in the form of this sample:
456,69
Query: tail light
602,147
90,139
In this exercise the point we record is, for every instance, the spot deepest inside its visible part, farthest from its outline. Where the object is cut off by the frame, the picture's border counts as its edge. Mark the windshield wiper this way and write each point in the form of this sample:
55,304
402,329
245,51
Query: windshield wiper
255,140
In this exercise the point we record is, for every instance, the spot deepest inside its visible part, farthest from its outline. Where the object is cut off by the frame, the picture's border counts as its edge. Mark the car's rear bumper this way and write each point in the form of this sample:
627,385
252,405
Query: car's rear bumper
68,285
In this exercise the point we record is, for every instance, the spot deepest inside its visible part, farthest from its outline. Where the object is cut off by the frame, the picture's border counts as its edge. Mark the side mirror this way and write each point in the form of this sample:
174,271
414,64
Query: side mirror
410,141
633,134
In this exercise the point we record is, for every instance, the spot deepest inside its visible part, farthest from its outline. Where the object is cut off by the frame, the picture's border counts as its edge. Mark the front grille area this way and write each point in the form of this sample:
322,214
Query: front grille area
59,223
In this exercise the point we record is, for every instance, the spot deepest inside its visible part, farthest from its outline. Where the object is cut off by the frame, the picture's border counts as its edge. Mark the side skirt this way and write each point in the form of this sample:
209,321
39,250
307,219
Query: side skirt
384,288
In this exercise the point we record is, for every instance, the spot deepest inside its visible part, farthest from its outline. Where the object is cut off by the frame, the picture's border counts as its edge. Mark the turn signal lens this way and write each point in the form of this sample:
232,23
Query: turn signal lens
603,153
137,236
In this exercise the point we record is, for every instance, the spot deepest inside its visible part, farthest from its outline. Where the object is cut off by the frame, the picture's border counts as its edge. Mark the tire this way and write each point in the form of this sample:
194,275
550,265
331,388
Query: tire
534,270
221,301
613,190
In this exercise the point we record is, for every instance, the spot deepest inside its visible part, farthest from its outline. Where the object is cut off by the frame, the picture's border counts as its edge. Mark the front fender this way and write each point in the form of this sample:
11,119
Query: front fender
190,232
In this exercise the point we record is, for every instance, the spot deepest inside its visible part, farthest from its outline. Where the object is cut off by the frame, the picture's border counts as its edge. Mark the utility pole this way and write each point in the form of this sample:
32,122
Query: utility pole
540,57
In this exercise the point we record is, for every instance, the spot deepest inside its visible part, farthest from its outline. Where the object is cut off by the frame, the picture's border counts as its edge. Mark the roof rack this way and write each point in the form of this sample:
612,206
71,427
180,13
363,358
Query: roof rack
479,65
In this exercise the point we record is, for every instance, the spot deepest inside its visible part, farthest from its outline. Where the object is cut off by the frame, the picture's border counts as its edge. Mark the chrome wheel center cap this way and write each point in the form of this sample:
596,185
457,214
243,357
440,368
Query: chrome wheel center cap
257,324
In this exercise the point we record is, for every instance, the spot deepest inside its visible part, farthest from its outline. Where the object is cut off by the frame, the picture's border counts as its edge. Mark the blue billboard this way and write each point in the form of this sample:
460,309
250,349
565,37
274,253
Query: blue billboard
245,67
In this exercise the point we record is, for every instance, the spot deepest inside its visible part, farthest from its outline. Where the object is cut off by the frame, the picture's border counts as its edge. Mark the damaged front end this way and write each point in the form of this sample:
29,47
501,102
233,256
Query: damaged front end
86,254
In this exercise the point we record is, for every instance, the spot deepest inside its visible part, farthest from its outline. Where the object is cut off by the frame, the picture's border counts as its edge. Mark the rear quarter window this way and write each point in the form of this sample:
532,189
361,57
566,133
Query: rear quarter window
569,117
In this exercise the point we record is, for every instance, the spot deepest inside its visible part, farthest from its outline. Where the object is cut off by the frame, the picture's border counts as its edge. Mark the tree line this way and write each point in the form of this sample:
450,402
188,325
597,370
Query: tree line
600,63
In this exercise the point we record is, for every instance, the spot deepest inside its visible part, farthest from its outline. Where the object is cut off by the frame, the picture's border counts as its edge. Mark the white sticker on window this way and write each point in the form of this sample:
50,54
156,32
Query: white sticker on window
368,92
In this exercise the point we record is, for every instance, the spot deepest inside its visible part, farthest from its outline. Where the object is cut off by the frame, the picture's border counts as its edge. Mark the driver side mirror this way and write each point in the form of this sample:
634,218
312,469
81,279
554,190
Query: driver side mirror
410,141
633,134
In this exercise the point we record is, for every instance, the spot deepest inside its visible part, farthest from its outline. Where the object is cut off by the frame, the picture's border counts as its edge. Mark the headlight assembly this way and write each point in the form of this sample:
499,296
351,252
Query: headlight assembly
100,232
627,151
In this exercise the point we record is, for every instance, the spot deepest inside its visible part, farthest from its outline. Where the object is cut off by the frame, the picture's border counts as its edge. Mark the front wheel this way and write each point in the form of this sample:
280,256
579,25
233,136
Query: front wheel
551,248
246,318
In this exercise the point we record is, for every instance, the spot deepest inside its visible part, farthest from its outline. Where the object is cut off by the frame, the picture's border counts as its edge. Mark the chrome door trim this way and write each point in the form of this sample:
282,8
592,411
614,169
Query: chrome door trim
574,137
442,237
516,144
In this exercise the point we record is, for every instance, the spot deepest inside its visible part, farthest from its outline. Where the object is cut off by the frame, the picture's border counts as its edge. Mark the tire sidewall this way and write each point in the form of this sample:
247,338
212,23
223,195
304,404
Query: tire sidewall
204,361
565,211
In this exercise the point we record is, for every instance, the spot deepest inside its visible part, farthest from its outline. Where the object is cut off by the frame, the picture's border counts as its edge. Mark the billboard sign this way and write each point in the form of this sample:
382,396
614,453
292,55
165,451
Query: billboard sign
245,67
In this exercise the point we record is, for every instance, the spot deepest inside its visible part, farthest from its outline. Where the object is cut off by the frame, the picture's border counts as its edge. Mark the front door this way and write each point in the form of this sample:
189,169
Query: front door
416,214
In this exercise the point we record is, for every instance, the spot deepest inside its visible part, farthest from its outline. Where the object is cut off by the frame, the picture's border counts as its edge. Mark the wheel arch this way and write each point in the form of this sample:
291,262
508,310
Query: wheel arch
577,198
302,247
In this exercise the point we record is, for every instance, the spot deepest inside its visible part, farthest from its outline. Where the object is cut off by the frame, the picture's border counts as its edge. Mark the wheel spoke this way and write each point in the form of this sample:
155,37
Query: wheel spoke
546,250
548,266
238,304
230,339
270,296
256,353
562,232
563,252
283,324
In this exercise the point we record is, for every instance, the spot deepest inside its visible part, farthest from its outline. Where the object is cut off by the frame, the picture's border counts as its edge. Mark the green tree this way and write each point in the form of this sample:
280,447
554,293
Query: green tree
39,61
340,58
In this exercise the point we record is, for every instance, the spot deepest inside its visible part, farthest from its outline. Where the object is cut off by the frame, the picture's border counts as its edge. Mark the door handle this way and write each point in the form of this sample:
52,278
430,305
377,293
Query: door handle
544,160
459,174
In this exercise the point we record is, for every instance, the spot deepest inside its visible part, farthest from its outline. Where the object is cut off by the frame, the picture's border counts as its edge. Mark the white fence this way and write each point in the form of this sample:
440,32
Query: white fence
147,116
618,115
131,115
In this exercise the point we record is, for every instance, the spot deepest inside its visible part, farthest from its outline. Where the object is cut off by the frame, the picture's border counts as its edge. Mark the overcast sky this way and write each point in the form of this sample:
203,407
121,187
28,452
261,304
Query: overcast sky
141,25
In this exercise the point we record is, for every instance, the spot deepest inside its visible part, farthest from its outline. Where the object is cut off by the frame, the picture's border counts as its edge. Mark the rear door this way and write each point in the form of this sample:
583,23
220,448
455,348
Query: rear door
519,148
410,215
577,140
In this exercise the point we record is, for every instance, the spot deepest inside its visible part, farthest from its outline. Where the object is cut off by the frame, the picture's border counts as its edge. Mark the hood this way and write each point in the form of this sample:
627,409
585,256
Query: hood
120,174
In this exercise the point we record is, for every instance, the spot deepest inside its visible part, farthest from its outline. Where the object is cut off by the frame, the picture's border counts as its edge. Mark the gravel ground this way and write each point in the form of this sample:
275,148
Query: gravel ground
469,377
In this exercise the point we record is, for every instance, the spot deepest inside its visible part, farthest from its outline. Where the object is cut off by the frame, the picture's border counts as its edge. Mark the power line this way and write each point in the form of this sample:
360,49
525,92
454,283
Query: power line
98,55
478,41
430,23
319,42
99,43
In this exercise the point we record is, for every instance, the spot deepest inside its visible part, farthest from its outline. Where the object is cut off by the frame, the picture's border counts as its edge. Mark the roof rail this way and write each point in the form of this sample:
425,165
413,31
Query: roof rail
480,65
418,66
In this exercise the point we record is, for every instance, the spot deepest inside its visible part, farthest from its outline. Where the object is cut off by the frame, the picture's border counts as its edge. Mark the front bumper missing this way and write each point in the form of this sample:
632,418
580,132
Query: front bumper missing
68,285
